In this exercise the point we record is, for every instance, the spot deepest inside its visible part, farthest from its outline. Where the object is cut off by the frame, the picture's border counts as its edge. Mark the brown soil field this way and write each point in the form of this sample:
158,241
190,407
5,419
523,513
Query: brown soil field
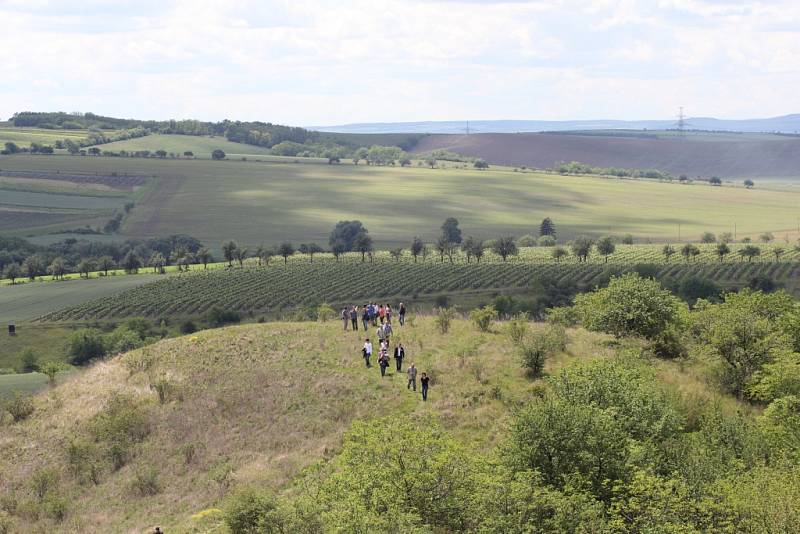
762,156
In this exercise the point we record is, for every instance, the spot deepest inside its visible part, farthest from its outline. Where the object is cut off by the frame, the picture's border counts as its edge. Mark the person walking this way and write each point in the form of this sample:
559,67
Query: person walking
354,318
423,380
401,313
387,332
382,313
365,317
373,314
345,318
383,361
388,314
411,373
379,334
399,354
367,351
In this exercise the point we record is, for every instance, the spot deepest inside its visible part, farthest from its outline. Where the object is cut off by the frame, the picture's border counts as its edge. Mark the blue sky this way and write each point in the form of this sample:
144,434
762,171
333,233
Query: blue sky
330,62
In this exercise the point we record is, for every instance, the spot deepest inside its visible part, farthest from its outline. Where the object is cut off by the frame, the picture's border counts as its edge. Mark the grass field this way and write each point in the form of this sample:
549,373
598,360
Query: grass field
259,202
46,340
201,146
29,383
23,137
23,302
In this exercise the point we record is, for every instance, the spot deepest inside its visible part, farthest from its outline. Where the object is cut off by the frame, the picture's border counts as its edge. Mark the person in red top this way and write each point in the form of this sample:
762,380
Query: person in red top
382,313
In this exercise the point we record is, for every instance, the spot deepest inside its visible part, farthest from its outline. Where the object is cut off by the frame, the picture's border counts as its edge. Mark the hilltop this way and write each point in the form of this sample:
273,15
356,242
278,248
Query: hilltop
248,405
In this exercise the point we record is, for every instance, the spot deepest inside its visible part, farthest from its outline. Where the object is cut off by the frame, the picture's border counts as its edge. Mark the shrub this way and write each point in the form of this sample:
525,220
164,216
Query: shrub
20,406
83,458
527,241
536,348
145,482
629,306
563,440
121,424
218,317
546,241
29,361
483,317
43,481
188,327
252,511
627,386
163,388
517,328
325,312
444,317
51,370
55,506
85,345
122,340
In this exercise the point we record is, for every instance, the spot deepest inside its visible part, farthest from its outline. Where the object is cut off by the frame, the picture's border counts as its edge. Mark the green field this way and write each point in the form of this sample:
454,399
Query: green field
25,136
26,383
260,202
201,146
23,302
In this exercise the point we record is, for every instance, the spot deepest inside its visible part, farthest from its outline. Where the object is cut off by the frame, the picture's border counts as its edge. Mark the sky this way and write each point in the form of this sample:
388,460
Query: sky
324,62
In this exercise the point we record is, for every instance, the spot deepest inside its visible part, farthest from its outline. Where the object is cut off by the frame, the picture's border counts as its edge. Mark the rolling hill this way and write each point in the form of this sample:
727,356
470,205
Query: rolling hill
697,154
269,202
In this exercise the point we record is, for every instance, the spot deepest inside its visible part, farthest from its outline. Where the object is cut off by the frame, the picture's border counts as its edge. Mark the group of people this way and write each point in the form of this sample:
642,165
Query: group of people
371,314
380,316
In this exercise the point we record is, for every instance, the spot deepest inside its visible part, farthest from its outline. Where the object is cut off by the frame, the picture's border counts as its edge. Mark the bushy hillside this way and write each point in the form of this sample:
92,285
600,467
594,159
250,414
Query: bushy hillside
527,426
242,405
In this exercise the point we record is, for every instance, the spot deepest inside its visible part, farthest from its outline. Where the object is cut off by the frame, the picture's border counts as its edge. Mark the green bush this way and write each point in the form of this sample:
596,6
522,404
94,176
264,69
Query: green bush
325,312
20,406
85,345
527,241
444,316
122,339
83,458
517,328
538,346
145,482
630,306
483,317
252,511
188,327
28,361
55,506
121,424
43,481
570,443
218,317
546,241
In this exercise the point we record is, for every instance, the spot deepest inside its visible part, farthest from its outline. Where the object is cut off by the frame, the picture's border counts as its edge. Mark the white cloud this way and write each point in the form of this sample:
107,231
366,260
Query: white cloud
321,62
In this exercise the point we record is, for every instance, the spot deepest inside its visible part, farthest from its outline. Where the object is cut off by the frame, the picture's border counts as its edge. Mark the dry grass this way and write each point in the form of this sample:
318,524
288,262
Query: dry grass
256,404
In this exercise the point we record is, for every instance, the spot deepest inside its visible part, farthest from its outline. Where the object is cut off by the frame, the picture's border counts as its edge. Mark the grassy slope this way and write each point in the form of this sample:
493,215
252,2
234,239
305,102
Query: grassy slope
268,202
201,146
22,302
263,401
25,136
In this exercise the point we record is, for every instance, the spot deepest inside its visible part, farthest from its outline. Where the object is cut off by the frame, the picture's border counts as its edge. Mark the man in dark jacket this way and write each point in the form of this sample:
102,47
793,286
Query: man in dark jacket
399,354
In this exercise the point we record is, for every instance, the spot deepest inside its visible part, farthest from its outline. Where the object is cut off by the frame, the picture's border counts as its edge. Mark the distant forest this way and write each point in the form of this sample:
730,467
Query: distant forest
256,133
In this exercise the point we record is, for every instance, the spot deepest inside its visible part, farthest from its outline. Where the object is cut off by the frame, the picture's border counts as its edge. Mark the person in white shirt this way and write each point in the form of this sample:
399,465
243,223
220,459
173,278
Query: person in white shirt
367,351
